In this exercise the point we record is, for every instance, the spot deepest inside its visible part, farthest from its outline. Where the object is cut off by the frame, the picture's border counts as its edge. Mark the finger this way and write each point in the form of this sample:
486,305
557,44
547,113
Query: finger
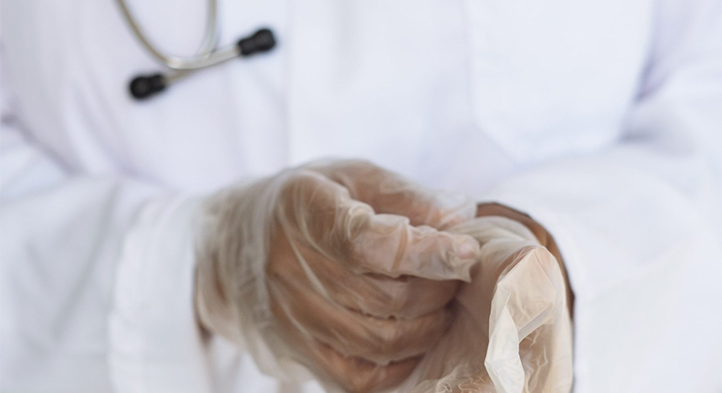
388,245
390,193
350,373
406,297
358,375
349,332
384,297
321,214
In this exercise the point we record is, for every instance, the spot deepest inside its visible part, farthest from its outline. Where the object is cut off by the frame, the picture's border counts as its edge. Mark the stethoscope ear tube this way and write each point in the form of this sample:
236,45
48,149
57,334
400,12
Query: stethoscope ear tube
261,41
145,86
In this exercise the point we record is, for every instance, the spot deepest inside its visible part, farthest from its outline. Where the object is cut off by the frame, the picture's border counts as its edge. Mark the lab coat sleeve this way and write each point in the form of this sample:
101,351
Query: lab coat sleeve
87,266
639,224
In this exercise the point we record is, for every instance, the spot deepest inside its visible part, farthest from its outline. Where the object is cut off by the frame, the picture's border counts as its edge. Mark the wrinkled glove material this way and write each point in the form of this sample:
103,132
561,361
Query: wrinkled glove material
341,267
512,330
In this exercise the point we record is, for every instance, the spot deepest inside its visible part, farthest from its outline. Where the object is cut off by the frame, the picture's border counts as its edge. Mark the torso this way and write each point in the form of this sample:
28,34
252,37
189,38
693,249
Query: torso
454,94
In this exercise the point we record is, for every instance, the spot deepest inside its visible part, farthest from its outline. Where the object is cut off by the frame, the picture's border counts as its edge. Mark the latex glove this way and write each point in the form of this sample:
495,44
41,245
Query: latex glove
336,266
511,330
544,238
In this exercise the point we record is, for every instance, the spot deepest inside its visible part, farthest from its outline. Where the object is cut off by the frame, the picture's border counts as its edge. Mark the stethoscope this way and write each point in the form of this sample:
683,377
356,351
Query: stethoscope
144,86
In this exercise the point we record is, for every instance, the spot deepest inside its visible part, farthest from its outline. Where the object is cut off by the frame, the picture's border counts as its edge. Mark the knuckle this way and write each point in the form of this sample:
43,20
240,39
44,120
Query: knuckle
389,337
354,374
397,306
298,182
399,295
355,240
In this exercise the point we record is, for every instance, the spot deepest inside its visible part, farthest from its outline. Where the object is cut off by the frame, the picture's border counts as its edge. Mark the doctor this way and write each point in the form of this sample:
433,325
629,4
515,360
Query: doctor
602,121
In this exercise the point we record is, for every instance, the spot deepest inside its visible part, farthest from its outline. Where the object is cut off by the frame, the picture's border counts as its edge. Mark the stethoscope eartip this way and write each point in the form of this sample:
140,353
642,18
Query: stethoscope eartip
261,41
144,86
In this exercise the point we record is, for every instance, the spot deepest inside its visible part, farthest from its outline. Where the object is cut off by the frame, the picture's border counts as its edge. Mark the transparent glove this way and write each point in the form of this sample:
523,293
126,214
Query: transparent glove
338,266
511,331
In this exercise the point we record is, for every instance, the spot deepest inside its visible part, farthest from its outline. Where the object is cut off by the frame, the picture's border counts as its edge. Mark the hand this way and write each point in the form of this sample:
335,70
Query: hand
512,330
542,235
338,266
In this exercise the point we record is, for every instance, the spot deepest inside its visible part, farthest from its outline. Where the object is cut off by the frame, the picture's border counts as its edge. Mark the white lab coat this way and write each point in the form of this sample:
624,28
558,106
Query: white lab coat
601,119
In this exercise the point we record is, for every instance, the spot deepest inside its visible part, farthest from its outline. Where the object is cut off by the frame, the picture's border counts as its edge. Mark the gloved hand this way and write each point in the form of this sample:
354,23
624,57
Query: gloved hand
337,266
511,331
